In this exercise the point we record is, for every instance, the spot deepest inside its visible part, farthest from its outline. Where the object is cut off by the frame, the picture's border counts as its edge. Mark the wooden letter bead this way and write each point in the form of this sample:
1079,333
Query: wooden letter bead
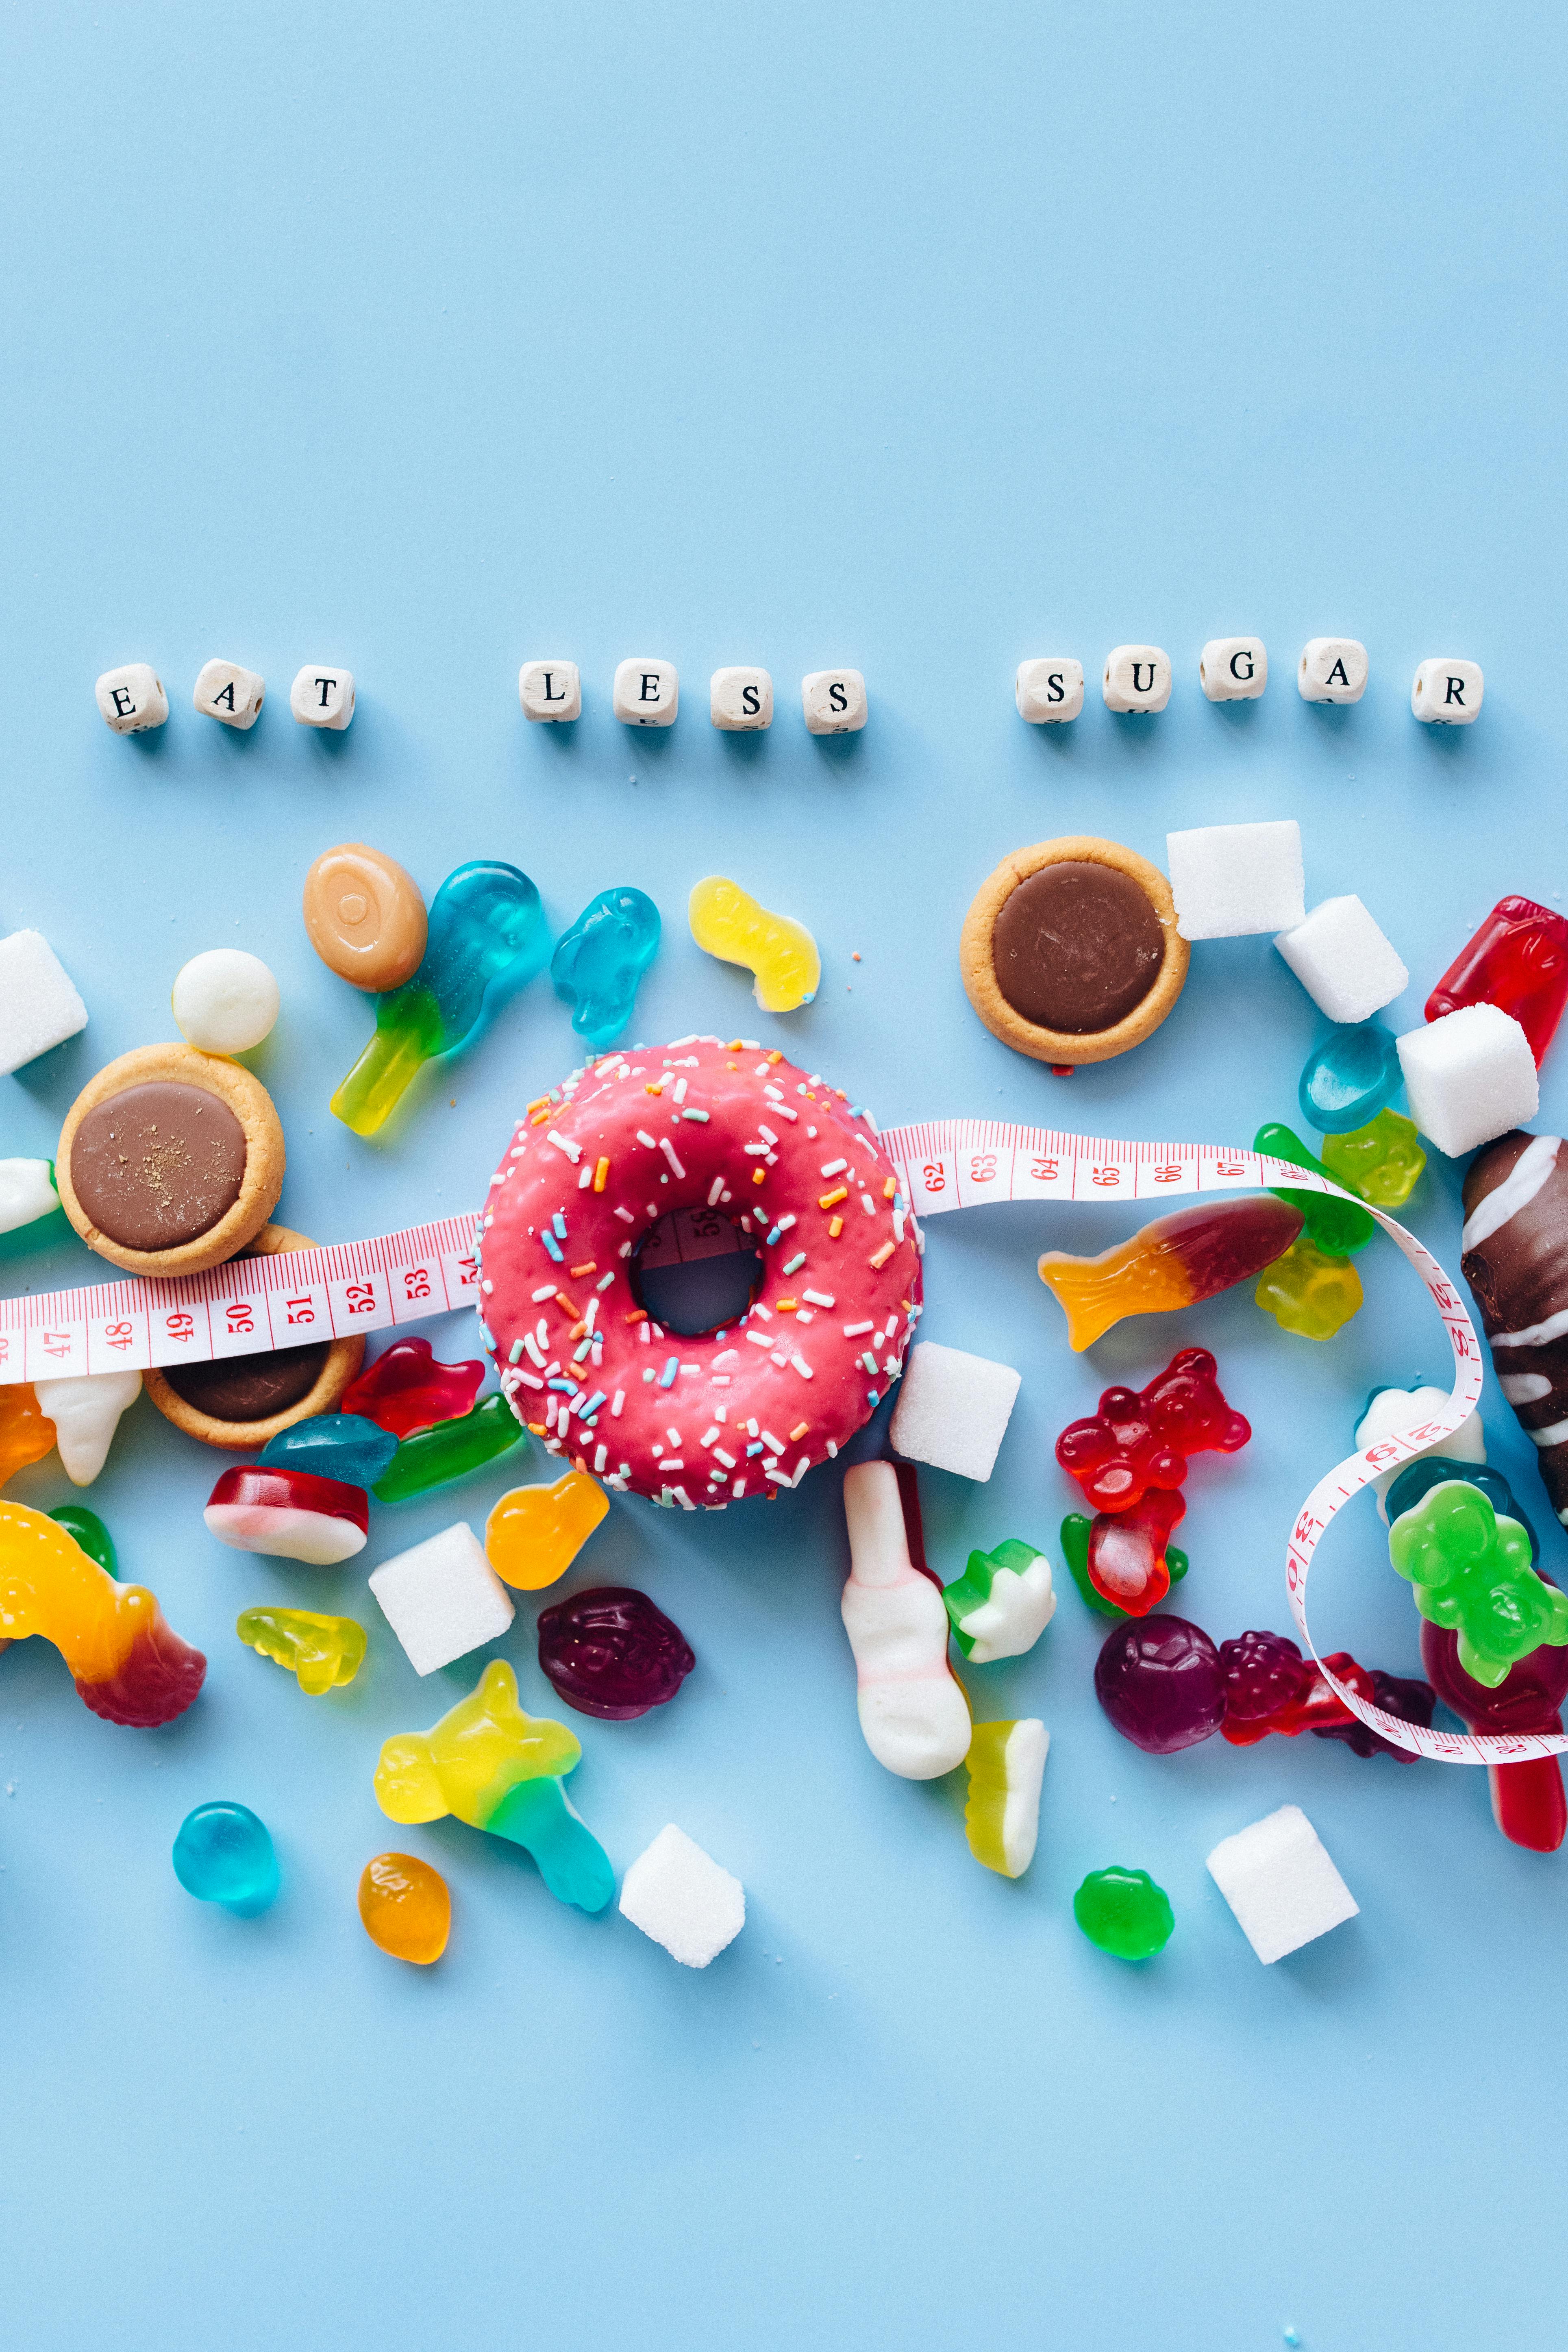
1233,669
1447,691
1137,677
132,698
1049,690
834,702
1333,669
740,701
323,696
646,693
550,689
226,692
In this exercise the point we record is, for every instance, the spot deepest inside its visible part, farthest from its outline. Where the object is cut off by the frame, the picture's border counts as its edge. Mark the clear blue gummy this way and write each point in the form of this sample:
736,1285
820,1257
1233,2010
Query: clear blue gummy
539,1816
224,1855
1349,1078
333,1445
601,959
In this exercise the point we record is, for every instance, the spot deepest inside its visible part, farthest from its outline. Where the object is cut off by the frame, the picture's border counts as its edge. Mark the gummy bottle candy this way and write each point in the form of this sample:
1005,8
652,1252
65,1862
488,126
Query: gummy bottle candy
1337,1227
487,934
1349,1077
601,959
1517,960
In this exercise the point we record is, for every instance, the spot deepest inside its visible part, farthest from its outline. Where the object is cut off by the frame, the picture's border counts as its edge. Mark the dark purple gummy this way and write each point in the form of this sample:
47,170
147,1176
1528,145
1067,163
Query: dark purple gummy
1404,1696
1263,1672
610,1652
1159,1680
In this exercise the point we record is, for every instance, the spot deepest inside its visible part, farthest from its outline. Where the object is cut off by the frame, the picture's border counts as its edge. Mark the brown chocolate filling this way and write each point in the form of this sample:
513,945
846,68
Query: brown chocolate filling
249,1387
1077,947
158,1165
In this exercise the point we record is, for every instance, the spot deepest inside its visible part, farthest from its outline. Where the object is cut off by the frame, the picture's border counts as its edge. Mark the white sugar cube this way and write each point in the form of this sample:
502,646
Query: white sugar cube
39,1007
1343,960
834,702
132,698
1468,1076
1233,669
226,691
549,690
646,692
1333,669
1049,689
953,1409
322,696
1447,691
741,700
1278,1880
442,1599
1231,881
683,1899
1388,1409
1137,677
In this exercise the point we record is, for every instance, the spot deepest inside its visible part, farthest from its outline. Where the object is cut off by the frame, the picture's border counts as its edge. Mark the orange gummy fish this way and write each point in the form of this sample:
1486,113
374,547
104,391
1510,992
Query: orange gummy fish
1172,1263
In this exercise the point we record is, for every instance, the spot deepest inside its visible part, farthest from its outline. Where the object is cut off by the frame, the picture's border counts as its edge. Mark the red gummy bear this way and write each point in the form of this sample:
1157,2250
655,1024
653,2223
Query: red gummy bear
1141,1439
406,1389
1127,1549
1517,960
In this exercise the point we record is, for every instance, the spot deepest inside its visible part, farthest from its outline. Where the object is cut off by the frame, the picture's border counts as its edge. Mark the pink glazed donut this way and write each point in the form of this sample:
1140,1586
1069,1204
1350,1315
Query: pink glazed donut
717,1130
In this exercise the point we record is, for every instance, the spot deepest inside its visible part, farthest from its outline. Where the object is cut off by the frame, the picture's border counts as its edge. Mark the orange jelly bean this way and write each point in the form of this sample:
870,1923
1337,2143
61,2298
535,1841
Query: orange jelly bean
406,1907
535,1533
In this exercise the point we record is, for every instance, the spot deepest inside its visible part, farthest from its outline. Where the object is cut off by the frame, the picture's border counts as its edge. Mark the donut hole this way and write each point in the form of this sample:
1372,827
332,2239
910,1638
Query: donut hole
695,1272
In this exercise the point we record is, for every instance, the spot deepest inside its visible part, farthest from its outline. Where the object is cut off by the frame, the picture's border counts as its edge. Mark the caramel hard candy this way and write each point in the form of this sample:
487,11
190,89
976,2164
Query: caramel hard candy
365,915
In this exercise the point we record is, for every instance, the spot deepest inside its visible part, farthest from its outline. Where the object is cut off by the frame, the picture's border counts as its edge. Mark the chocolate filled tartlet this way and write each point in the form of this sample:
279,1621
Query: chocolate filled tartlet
239,1402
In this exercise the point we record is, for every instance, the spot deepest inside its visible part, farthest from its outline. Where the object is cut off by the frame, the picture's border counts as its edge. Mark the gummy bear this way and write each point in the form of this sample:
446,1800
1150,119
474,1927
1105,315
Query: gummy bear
1472,1573
600,959
1174,1262
487,934
1528,1801
406,1907
1429,1470
347,1446
1309,1293
1382,1162
1336,1227
1142,1437
1159,1680
1001,1603
612,1652
535,1533
499,1770
1349,1077
1127,1551
1002,1819
224,1854
432,1457
321,1651
1124,1913
781,952
406,1389
1076,1533
27,1434
127,1665
1517,960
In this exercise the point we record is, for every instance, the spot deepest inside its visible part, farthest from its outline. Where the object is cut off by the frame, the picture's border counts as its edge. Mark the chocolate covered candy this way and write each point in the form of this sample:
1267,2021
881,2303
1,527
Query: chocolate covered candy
1515,1259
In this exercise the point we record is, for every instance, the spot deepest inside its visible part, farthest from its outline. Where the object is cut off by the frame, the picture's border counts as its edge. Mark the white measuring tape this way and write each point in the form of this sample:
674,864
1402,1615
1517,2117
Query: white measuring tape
284,1301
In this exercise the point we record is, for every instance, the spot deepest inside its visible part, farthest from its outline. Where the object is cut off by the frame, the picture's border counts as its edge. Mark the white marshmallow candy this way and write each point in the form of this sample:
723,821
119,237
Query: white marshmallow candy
1234,669
86,1414
1137,677
549,690
39,1008
1333,669
1447,691
442,1598
227,692
1343,960
1232,881
1391,1411
646,693
132,698
1278,1880
323,696
914,1716
1049,690
740,701
683,1899
1468,1076
224,1002
953,1410
834,702
26,1193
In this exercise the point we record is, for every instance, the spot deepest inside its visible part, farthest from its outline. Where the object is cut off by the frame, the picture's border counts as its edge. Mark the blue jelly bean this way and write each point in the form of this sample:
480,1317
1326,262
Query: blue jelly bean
224,1855
600,959
1349,1078
342,1446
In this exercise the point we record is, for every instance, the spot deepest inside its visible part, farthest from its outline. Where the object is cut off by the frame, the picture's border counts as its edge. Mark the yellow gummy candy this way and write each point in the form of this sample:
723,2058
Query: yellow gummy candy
1309,1293
535,1533
321,1651
1006,1762
469,1761
781,951
26,1434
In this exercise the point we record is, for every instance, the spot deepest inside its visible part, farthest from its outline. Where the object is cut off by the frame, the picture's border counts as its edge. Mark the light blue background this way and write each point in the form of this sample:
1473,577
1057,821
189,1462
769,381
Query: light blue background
923,340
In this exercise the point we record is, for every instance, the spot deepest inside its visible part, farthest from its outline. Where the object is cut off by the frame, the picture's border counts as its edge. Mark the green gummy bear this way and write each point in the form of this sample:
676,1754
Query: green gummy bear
1124,1913
1015,1595
1338,1227
1382,1162
450,1450
1472,1573
1075,1551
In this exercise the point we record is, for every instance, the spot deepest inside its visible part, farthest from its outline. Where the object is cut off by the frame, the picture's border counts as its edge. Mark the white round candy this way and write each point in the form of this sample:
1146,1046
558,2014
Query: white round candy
225,1001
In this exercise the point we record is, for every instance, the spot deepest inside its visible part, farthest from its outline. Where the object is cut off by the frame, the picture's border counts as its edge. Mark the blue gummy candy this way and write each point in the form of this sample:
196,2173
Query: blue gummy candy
539,1816
1349,1078
600,959
342,1446
224,1855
